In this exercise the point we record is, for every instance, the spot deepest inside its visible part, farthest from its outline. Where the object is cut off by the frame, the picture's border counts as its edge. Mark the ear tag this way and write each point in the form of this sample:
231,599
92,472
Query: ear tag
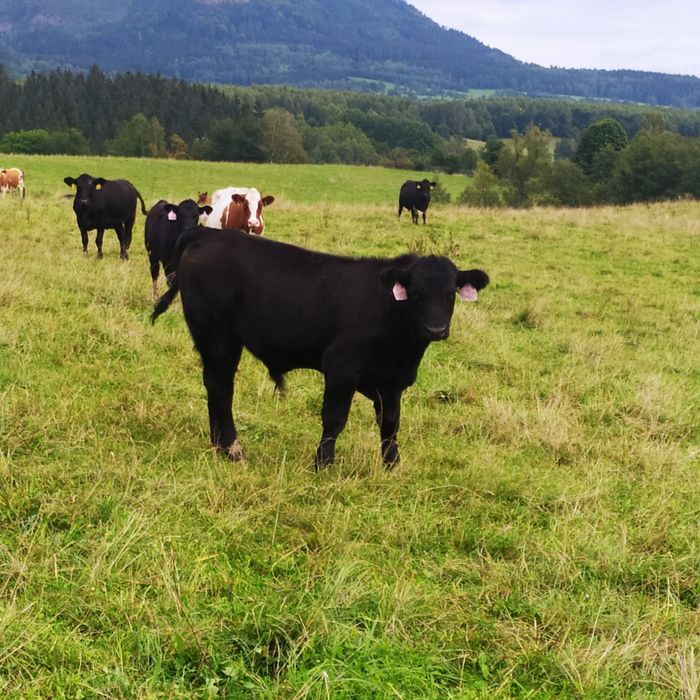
172,216
417,187
432,187
399,292
467,293
72,186
98,187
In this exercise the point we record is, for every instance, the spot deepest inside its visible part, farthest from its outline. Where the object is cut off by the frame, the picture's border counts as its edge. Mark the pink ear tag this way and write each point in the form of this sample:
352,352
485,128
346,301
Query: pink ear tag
467,293
399,292
172,216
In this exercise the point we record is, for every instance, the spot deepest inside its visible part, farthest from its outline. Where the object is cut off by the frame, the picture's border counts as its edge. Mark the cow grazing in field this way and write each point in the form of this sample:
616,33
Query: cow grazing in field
12,179
239,208
364,323
415,196
101,204
164,224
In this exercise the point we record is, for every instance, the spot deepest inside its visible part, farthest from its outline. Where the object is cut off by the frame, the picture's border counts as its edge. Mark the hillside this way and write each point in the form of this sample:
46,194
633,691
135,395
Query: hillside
329,43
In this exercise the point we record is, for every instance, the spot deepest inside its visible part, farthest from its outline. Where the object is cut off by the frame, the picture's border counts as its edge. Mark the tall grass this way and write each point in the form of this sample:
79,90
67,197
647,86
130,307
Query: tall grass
539,540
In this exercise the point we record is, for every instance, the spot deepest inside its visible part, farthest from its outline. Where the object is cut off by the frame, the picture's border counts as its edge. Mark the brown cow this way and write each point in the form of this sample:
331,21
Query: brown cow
12,179
239,208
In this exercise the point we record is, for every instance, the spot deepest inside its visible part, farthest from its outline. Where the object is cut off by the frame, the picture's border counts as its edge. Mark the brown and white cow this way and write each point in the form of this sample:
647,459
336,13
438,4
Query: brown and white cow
12,179
239,208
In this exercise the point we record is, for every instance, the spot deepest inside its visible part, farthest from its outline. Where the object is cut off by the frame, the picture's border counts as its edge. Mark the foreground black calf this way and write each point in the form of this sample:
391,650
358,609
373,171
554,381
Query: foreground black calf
364,323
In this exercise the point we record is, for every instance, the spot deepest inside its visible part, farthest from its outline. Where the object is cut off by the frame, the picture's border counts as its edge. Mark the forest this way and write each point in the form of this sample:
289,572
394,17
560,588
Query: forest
536,150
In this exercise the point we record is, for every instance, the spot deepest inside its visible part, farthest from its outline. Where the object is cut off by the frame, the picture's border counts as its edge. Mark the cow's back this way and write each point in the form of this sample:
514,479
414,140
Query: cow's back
286,304
119,197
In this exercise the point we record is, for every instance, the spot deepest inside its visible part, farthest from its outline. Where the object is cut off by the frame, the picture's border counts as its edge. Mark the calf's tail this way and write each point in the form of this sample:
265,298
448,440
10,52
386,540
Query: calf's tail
161,306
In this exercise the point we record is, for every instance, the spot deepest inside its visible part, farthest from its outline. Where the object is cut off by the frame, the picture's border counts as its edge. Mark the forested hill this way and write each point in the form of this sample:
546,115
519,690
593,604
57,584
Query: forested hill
321,43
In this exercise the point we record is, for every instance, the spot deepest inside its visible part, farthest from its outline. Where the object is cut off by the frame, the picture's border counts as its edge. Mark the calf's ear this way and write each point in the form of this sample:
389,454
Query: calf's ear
397,280
433,185
171,209
267,200
205,210
469,282
98,182
70,181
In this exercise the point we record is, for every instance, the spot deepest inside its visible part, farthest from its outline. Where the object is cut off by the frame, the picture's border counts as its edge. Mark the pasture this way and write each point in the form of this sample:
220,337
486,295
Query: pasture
541,538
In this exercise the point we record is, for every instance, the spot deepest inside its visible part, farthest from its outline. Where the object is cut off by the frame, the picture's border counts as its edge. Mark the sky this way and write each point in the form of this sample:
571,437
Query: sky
661,36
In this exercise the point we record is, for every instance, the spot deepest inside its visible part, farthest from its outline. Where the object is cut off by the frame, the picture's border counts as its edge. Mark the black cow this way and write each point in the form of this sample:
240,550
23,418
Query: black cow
164,224
364,323
415,196
101,204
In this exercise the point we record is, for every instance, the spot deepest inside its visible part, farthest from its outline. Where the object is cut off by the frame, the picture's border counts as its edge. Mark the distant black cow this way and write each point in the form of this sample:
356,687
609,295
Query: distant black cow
101,204
164,224
415,196
364,323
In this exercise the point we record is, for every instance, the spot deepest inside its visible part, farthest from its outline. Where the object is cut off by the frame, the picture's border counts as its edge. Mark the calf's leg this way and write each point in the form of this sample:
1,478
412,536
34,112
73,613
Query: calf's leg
84,238
154,264
98,241
337,397
218,374
123,247
387,407
126,241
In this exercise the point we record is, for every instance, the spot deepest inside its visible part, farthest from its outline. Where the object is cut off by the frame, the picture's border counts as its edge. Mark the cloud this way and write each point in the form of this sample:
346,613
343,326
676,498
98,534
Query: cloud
596,34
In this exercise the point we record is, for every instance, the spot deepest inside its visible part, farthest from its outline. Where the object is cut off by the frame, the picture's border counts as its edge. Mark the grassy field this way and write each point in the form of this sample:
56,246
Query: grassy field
541,538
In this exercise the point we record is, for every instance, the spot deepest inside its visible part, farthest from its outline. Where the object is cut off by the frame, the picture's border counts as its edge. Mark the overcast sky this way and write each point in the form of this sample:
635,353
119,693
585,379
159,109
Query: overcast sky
661,36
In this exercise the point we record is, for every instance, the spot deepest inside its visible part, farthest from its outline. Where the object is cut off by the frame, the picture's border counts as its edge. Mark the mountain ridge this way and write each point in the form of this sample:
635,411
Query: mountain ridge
306,43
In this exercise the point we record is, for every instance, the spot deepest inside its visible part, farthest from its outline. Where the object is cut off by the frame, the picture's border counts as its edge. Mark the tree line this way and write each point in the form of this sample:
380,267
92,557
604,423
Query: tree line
145,115
605,167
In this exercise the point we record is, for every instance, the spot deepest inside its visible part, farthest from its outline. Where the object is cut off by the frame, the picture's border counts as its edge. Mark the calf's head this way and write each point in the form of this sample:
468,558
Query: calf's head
428,286
424,187
252,205
88,191
187,214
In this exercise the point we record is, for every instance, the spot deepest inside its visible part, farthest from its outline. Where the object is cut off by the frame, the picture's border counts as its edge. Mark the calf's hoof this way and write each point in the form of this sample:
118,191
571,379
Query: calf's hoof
325,455
235,451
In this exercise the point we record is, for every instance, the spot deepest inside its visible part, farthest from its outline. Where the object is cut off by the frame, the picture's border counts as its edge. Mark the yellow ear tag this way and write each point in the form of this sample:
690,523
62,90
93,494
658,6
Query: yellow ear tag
72,186
417,187
431,187
98,187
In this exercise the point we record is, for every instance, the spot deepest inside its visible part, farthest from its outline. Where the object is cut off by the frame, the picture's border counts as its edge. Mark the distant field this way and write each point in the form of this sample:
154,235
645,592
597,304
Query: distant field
540,539
178,180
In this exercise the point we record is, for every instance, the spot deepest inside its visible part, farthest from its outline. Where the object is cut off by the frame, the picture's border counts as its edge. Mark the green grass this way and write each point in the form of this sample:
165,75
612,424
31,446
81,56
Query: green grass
540,539
177,180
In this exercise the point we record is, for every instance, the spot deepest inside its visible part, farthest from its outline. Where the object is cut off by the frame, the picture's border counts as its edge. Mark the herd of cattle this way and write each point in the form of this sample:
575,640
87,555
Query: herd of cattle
364,323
